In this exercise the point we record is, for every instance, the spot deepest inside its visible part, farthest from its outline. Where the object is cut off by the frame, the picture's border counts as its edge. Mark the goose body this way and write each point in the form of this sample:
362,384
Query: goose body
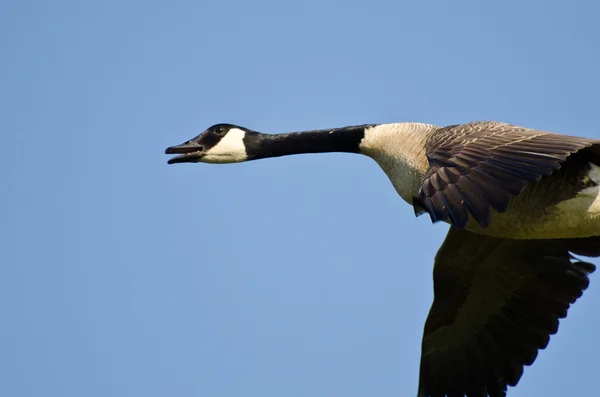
520,203
565,203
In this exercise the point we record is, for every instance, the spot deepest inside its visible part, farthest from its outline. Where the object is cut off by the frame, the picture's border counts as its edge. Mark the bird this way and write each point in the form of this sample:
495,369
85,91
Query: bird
523,206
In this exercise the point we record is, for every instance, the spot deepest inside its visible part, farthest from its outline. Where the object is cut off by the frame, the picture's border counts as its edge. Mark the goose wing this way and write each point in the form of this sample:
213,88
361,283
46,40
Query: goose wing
497,301
476,167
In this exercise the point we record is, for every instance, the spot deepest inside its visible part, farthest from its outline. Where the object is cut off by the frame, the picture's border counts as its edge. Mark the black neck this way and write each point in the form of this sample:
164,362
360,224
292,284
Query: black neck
346,139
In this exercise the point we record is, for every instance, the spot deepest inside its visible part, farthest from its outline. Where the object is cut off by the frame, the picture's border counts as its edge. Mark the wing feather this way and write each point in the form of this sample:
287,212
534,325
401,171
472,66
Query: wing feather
497,301
492,162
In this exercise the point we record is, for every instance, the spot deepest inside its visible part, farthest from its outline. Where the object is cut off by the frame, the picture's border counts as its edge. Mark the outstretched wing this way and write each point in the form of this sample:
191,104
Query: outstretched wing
476,167
497,301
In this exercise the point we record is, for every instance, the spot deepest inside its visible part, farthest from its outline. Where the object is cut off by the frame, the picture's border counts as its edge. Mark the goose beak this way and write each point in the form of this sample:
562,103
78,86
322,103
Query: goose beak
189,152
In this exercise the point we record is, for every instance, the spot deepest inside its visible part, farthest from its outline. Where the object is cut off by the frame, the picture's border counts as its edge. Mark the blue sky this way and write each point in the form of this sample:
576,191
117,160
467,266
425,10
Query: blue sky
304,276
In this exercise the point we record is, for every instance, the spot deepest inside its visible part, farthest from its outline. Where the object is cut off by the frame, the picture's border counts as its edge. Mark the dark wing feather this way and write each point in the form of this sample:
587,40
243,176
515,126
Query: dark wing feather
477,167
497,301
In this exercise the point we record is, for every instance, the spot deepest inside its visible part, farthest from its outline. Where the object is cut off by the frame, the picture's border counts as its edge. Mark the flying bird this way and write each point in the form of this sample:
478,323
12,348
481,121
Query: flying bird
521,203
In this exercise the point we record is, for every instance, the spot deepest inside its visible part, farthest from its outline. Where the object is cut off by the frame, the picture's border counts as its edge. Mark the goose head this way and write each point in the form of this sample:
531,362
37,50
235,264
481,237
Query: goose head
221,143
228,143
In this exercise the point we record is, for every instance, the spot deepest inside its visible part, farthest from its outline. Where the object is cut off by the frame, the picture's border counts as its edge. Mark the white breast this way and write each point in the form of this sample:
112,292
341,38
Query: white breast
399,149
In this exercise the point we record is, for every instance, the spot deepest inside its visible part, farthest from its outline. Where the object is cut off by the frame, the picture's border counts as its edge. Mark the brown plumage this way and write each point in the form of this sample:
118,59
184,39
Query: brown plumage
498,300
476,168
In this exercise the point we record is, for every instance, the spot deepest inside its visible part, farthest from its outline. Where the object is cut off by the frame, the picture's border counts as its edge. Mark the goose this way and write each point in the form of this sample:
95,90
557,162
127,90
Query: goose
521,203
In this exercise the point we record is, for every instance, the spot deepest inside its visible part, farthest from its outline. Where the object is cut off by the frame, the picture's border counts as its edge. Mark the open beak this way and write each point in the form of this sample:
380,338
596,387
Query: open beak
189,152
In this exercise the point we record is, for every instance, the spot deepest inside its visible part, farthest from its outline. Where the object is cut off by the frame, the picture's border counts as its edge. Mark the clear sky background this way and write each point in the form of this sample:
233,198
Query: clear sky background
304,276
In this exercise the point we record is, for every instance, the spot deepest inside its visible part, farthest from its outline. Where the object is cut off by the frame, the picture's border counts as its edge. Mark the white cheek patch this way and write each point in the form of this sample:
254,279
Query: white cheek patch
230,149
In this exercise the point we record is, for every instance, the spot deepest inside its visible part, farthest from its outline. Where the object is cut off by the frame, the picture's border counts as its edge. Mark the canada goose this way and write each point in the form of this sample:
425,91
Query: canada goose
520,202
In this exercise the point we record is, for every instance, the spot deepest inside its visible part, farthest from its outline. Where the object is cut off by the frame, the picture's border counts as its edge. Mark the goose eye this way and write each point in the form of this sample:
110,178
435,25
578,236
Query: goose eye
220,129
